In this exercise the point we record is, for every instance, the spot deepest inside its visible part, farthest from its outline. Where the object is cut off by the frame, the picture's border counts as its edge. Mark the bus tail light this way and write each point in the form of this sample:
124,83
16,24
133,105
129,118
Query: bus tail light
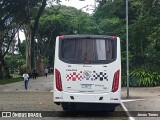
61,37
58,80
115,84
114,37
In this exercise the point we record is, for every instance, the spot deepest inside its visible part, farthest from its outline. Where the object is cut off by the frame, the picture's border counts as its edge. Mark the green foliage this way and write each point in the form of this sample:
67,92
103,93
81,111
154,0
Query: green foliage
110,18
10,80
66,21
14,14
55,22
45,61
123,79
145,78
22,70
14,63
144,35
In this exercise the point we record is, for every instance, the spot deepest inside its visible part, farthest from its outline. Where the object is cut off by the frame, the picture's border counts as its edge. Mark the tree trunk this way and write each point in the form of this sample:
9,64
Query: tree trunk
4,70
34,30
1,70
30,32
27,32
1,51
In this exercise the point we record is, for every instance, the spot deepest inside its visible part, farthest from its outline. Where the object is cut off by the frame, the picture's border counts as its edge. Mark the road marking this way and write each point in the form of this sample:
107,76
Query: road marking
126,110
129,115
51,91
132,100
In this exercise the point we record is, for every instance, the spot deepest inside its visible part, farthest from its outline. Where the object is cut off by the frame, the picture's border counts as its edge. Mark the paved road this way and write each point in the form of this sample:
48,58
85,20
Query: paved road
144,100
13,97
41,84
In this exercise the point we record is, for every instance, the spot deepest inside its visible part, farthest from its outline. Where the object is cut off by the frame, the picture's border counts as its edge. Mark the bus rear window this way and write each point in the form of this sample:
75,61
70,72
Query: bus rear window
91,50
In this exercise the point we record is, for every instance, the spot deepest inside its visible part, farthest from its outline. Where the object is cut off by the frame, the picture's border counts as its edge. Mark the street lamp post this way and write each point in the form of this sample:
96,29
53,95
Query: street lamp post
94,3
127,60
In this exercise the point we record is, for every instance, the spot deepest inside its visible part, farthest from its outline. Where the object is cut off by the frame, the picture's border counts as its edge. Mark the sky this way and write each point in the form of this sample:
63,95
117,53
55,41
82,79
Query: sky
80,4
21,36
77,3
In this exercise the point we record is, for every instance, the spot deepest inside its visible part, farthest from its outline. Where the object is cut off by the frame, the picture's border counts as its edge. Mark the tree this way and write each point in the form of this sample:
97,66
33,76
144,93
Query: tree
145,33
33,11
55,22
143,29
13,15
8,29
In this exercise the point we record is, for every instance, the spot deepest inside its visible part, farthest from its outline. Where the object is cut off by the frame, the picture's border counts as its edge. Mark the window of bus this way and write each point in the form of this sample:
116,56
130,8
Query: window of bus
92,50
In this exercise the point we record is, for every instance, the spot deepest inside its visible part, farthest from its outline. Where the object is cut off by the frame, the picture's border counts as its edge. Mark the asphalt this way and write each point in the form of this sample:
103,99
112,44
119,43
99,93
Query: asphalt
40,84
39,97
142,100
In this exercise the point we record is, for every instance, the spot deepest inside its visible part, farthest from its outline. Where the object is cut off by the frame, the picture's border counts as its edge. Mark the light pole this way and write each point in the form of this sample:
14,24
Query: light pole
94,3
127,60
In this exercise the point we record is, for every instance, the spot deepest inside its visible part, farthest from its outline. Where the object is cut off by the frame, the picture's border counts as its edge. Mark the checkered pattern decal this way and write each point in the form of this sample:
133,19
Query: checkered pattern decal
74,76
100,76
87,75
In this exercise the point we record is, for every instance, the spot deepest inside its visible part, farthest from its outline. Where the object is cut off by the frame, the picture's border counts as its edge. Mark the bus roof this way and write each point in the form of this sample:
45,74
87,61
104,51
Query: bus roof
87,36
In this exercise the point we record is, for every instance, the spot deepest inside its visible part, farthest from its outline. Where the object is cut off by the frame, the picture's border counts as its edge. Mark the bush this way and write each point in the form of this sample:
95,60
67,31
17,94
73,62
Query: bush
22,69
145,78
124,79
10,80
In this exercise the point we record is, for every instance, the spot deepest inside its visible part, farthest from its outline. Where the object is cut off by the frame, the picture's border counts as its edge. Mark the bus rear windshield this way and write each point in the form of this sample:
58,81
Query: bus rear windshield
88,50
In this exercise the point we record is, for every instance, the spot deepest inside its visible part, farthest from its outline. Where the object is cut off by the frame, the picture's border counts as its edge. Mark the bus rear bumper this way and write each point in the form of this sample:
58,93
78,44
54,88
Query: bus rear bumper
60,97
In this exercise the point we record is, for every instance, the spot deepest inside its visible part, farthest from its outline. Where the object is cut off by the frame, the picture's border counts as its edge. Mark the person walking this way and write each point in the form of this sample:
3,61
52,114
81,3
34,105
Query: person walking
46,72
26,79
34,73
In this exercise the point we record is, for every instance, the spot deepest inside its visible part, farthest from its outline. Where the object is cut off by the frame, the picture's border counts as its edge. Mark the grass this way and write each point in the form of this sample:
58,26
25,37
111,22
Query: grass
10,80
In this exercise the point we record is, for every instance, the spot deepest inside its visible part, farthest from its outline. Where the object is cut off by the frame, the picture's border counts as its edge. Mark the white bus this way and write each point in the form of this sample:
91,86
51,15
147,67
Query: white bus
87,72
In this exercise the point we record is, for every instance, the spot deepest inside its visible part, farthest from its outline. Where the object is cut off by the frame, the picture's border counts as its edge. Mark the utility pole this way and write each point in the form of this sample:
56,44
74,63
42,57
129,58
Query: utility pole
95,4
127,60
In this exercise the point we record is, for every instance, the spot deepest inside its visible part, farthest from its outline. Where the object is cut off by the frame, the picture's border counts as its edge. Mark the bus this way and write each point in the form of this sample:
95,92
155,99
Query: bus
87,72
